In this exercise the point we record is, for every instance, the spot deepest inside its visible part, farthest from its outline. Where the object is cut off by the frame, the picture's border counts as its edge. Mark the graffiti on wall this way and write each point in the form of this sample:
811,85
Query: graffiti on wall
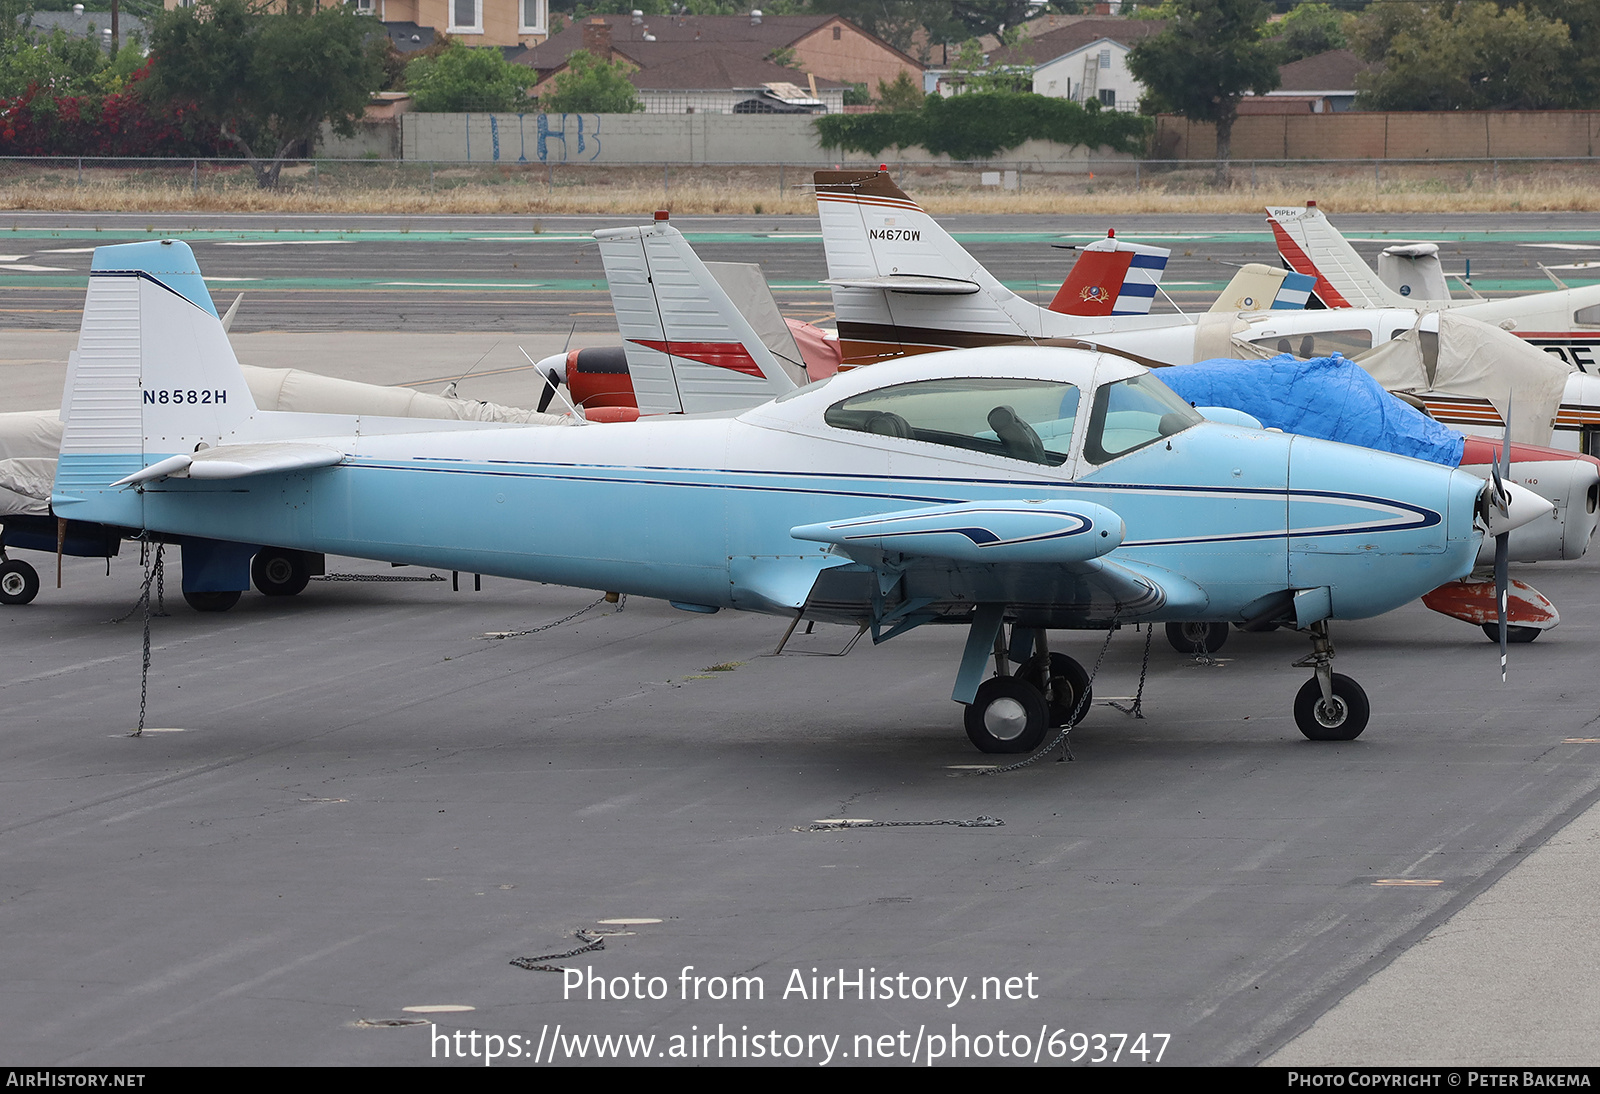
542,138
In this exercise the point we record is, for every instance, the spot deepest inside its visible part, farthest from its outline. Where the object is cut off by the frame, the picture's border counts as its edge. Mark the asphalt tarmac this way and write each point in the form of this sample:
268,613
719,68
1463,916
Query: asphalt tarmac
360,805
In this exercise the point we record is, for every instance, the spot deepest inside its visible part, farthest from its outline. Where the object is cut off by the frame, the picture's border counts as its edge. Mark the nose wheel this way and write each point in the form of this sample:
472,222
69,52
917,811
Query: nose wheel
1330,706
1340,717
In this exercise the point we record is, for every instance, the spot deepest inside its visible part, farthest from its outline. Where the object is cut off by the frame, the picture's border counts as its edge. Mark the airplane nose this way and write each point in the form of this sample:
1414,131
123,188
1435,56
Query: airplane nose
557,363
1522,506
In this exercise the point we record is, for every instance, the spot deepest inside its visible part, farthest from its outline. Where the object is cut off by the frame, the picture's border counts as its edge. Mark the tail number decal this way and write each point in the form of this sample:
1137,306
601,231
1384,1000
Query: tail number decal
174,396
909,234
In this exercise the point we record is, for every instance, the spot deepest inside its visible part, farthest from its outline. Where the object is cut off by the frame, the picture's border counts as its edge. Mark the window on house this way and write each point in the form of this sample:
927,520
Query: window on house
1105,58
836,34
466,15
1108,97
531,21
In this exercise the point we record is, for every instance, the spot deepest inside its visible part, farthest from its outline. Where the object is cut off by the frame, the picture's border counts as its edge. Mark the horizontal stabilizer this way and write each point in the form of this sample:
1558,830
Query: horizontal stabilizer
1012,532
237,461
917,284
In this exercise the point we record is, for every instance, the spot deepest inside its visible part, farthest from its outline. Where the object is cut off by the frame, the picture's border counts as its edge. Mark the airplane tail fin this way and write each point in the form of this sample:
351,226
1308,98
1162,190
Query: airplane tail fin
690,347
1112,277
1314,247
901,284
153,376
1258,287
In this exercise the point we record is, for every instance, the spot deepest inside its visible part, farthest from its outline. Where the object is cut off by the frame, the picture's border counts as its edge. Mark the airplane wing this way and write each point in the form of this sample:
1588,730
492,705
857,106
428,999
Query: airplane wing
1029,555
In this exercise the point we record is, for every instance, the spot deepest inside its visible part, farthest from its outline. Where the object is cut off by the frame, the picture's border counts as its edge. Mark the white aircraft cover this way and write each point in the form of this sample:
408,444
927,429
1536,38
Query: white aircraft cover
29,441
1480,361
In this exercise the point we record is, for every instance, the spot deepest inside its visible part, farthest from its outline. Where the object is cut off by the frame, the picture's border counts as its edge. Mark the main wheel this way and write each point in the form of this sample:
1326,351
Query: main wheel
1197,637
19,582
1008,715
1514,633
278,572
212,602
1068,690
1342,720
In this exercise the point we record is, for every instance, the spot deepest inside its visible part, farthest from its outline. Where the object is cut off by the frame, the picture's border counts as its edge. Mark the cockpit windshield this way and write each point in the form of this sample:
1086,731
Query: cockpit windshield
1129,414
1024,419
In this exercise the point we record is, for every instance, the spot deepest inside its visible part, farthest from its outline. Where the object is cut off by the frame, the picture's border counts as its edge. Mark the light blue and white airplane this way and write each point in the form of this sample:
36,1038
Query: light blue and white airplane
1037,487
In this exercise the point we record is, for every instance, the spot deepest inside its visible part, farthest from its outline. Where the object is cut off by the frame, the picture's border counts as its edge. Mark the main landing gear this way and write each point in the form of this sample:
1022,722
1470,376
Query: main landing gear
1012,712
19,582
1331,706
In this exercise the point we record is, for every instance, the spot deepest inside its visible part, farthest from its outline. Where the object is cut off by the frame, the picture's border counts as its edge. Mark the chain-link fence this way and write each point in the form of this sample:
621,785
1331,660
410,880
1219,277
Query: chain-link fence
87,182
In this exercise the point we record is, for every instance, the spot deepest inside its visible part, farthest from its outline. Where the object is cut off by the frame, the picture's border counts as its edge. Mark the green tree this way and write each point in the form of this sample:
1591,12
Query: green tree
592,86
266,80
1310,29
461,79
56,63
1464,56
1210,53
901,95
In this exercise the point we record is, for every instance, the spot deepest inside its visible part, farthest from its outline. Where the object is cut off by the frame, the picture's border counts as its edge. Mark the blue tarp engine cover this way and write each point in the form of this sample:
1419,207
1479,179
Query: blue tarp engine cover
1330,398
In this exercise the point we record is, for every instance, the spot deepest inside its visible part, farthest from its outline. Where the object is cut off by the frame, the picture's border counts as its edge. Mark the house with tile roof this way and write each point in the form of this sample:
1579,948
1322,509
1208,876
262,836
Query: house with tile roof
828,47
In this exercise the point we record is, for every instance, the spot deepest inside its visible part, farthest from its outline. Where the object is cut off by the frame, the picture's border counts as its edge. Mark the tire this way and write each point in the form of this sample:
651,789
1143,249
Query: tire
1008,716
1514,633
1197,637
1344,724
1069,689
212,602
19,582
279,572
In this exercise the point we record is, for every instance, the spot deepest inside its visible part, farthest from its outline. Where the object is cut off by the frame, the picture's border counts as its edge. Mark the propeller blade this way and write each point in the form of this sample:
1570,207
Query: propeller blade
1502,582
551,380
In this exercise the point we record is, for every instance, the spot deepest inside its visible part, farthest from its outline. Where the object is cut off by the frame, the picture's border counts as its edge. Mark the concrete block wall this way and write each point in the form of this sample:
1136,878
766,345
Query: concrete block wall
1445,134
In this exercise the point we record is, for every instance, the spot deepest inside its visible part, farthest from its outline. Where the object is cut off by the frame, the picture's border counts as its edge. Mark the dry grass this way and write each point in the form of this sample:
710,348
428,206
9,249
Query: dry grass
360,187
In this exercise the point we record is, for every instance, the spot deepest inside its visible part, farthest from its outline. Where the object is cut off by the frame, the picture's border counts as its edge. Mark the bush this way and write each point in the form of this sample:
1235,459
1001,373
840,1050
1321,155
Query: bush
977,126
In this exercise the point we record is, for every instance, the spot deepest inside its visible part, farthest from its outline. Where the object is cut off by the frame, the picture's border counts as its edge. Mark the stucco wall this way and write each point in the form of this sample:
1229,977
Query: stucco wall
671,138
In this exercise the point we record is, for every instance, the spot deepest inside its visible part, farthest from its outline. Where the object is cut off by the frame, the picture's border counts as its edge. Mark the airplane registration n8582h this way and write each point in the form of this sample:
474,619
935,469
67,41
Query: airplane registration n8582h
1041,488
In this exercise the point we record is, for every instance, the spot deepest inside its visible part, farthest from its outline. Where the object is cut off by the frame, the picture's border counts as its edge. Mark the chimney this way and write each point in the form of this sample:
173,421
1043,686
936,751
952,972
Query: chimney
597,38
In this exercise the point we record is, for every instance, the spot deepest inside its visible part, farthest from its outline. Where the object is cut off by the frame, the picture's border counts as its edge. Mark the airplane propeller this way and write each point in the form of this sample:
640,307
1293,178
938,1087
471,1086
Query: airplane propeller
552,378
1500,470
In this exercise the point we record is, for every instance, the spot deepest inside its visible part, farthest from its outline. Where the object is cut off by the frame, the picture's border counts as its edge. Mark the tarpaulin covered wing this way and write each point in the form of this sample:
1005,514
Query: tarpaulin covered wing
1330,398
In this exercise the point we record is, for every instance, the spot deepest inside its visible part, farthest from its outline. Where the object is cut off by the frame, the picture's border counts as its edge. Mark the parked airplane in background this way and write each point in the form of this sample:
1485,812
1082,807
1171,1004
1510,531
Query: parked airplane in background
1035,487
1480,374
666,299
1564,323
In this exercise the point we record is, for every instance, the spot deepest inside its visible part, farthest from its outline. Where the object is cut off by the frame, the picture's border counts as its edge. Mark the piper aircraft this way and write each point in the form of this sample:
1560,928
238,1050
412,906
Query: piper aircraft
1021,485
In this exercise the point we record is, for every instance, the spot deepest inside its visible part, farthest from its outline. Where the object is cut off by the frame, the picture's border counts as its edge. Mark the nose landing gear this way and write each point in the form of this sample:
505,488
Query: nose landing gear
1330,706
